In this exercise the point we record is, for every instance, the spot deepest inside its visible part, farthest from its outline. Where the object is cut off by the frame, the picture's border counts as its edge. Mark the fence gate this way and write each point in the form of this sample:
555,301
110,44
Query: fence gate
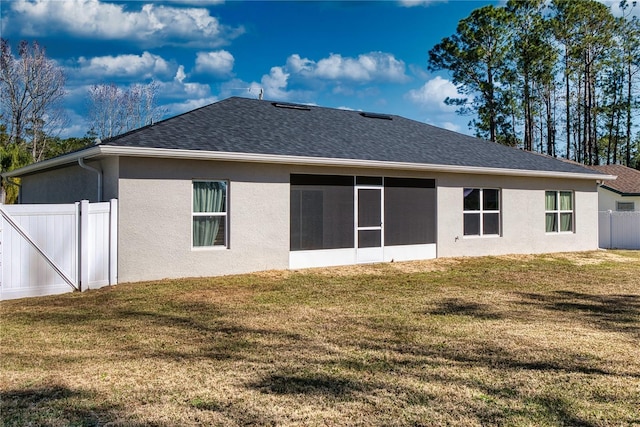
52,249
619,230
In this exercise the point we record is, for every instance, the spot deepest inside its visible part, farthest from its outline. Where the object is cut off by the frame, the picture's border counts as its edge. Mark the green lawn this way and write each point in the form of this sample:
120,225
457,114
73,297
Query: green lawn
515,340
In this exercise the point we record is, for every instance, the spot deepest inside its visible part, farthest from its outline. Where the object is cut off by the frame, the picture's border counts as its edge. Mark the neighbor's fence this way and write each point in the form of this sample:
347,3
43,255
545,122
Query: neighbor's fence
619,230
52,249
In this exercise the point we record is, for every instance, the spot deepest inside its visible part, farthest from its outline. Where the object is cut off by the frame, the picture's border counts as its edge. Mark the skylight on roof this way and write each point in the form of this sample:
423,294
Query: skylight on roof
291,106
377,116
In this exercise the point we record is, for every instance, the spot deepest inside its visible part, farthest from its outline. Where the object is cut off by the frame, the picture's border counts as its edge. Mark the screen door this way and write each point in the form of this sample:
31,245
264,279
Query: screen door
369,223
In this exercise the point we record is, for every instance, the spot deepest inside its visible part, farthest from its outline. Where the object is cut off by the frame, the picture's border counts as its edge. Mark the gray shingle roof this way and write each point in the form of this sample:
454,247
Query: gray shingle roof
252,126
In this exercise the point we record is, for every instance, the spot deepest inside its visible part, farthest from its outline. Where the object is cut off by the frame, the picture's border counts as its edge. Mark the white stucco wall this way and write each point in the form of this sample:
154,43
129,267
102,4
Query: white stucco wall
155,222
155,216
155,219
607,200
523,216
71,184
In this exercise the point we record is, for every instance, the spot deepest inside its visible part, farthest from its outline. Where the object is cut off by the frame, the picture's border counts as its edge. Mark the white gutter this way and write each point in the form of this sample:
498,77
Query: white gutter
97,171
52,163
293,160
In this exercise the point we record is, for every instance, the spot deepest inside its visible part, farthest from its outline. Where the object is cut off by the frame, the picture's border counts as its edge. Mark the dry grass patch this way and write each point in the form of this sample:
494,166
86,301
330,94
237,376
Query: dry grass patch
516,340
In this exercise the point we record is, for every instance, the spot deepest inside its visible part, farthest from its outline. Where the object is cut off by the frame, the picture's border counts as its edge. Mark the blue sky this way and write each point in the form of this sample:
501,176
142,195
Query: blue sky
369,56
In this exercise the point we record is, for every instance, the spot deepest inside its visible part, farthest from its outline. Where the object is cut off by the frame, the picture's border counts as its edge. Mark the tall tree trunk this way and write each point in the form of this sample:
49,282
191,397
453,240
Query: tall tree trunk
627,160
528,117
594,120
492,105
567,102
586,132
611,122
550,133
580,142
616,138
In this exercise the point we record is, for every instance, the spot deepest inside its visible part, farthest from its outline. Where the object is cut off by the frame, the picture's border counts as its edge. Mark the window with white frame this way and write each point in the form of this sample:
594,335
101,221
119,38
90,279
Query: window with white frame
481,212
209,214
625,206
559,211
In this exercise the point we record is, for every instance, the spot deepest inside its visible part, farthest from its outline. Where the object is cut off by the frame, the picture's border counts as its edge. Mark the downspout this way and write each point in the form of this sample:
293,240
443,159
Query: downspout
97,171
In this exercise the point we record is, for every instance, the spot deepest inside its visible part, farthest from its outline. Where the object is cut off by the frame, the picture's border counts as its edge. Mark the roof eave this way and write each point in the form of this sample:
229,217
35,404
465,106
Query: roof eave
53,163
620,193
292,160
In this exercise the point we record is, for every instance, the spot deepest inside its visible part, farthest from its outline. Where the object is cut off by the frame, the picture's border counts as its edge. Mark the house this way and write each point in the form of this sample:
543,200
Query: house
244,185
621,194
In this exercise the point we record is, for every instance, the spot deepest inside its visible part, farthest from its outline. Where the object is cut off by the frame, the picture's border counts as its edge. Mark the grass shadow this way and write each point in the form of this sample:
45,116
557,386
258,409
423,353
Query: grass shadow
616,313
57,405
558,410
311,384
460,307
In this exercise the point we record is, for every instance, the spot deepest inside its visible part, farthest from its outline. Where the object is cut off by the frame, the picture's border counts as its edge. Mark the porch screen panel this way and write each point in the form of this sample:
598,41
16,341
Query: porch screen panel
321,212
369,208
409,211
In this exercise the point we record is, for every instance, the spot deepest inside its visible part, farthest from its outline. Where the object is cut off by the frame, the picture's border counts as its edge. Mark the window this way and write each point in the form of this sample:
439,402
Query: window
209,213
481,212
558,211
625,206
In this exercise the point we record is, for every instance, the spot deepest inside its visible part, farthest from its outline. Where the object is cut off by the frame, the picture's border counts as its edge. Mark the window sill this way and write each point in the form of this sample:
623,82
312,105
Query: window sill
208,248
483,236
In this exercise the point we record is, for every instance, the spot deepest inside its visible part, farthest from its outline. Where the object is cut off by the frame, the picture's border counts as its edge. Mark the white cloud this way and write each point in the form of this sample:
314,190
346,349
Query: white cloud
451,126
275,83
196,89
219,63
188,105
412,3
299,65
177,89
433,93
143,66
196,2
617,11
180,75
340,71
76,126
373,66
152,25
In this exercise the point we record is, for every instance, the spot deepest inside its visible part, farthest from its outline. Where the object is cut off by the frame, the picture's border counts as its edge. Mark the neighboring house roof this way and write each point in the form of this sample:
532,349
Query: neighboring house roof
627,182
258,130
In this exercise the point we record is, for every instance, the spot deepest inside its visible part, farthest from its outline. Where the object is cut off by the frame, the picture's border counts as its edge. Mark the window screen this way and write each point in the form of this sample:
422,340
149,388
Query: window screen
321,212
409,211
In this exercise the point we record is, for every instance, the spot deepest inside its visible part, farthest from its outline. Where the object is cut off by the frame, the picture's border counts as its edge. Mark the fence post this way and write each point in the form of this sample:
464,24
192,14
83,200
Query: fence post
113,242
610,228
84,245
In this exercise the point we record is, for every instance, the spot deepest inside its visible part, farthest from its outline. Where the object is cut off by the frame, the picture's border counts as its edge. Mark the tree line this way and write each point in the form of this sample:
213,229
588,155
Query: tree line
32,118
558,77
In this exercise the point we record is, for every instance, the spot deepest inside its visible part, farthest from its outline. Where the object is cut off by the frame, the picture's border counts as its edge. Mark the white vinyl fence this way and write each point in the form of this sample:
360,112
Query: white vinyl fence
52,249
619,230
